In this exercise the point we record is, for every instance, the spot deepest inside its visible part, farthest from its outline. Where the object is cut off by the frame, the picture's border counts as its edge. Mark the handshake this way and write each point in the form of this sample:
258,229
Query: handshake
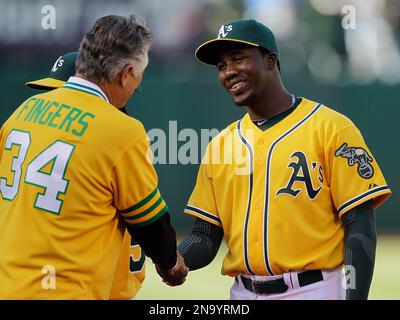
175,276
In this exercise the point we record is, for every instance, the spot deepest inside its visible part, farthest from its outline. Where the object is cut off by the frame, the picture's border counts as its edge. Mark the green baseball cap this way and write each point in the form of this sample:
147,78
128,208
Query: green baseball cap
63,68
234,35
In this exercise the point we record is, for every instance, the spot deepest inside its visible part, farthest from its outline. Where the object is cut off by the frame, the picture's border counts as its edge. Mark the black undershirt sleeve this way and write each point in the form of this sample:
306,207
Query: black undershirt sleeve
158,241
200,247
360,247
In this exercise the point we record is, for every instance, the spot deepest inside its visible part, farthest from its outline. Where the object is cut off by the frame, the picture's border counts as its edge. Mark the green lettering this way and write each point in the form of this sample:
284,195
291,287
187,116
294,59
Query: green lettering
57,114
70,118
25,106
39,111
32,109
47,114
83,123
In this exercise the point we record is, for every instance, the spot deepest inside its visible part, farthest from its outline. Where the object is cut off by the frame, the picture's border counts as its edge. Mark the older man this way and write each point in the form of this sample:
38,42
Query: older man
131,270
75,173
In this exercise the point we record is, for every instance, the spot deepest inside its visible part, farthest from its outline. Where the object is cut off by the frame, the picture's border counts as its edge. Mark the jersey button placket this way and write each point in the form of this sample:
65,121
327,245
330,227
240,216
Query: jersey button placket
261,142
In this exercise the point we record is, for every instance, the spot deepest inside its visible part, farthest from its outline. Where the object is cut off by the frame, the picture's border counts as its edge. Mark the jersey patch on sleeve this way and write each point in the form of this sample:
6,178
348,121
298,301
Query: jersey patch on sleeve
359,156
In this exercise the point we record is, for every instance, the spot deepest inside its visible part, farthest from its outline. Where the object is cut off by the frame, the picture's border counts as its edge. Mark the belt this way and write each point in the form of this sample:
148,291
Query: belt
279,285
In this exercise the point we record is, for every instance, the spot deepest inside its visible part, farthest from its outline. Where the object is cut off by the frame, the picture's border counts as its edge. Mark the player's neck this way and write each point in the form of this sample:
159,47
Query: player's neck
111,90
273,103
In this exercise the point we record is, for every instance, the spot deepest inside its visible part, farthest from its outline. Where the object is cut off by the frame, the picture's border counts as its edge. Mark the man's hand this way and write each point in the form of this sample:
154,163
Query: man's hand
175,276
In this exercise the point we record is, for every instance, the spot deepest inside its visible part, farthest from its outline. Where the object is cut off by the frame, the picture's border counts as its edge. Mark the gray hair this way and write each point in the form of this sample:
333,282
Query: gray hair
111,44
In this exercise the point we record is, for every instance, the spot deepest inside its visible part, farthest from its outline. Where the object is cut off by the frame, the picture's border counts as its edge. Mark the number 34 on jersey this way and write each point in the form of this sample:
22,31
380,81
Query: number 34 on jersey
46,170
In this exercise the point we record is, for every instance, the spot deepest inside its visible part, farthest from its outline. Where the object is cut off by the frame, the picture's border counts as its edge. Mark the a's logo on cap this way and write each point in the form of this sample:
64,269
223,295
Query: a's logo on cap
223,31
57,64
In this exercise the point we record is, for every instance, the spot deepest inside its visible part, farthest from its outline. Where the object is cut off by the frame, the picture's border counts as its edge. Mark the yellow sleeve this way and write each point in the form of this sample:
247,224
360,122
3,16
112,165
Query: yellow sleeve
202,202
135,185
355,176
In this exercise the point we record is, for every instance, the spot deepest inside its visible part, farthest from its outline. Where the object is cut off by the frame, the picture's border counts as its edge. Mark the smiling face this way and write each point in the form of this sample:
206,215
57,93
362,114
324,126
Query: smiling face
244,74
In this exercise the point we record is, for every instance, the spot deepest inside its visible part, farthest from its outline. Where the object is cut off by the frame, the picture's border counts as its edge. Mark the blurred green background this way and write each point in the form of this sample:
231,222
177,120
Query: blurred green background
344,54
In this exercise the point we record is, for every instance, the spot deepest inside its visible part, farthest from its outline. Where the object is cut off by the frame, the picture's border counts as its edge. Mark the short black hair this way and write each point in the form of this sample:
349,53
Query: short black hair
265,52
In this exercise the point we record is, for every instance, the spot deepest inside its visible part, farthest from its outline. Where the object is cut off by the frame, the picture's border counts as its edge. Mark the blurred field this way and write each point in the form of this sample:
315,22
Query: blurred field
203,284
208,283
386,281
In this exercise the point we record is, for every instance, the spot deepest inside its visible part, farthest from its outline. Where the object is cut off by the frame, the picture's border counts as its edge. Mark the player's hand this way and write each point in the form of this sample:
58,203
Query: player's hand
177,275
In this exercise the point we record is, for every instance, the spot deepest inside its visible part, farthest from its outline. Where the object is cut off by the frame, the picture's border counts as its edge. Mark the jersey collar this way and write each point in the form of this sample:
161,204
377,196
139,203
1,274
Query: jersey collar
291,118
87,86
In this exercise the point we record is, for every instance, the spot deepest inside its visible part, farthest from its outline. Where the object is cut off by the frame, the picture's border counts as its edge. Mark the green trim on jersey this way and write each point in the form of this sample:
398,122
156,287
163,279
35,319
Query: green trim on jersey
72,88
80,87
87,88
147,211
142,202
150,221
275,119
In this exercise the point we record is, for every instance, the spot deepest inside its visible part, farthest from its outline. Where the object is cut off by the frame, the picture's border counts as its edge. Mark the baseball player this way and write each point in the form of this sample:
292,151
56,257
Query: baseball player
75,175
291,186
131,270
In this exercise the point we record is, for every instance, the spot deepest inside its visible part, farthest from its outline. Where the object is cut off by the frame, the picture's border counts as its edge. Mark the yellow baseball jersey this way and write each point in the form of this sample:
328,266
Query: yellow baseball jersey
131,270
69,161
278,194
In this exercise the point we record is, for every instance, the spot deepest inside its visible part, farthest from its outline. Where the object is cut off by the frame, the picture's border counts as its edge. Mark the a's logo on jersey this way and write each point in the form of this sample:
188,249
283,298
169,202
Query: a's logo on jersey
223,31
57,64
357,155
305,177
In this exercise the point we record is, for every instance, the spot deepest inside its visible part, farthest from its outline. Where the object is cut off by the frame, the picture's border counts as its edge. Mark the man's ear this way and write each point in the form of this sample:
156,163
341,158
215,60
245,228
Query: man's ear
271,60
126,72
